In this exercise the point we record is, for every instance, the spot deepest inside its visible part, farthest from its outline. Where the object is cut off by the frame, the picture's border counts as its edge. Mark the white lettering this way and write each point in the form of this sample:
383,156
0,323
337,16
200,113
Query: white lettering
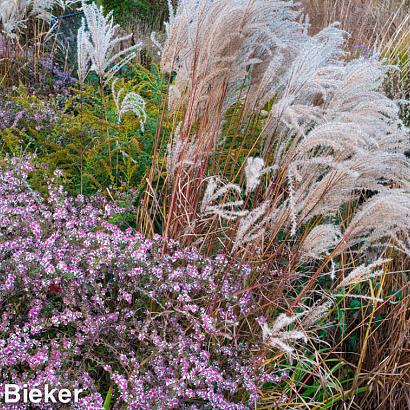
25,393
64,396
49,395
35,396
76,394
11,394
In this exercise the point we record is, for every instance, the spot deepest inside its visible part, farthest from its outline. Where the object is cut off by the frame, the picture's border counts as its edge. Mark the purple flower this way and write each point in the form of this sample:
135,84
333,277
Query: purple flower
85,304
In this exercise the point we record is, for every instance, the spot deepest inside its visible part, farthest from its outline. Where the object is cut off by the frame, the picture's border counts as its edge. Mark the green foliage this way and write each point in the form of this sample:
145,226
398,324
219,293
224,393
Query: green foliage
83,138
107,401
151,12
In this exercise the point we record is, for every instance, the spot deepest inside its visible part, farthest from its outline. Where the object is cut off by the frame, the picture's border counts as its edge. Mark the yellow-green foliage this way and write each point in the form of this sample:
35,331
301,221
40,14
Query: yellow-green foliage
82,136
397,52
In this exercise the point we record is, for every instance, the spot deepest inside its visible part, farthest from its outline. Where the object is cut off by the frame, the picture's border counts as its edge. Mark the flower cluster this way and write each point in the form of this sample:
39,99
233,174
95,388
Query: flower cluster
87,305
61,79
33,115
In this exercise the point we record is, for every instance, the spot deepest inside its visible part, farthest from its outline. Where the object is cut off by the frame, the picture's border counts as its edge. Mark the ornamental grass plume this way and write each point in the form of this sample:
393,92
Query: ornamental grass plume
12,16
214,64
303,167
42,9
328,136
181,153
99,38
83,56
253,171
131,102
15,13
66,4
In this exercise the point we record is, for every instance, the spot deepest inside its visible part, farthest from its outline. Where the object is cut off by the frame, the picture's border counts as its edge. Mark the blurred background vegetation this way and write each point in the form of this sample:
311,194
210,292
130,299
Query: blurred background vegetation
148,13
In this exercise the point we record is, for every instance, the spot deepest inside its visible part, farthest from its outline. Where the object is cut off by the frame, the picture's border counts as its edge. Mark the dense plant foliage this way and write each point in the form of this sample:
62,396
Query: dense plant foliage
85,304
226,229
148,12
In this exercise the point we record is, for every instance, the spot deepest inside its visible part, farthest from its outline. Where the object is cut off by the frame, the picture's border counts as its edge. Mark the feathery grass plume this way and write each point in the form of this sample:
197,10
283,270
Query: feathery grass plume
362,297
253,225
386,215
211,65
156,42
174,150
276,336
253,173
131,102
291,192
42,9
330,130
102,41
83,56
181,153
225,210
363,273
306,79
134,103
317,312
66,4
301,76
13,16
254,170
403,244
171,13
320,240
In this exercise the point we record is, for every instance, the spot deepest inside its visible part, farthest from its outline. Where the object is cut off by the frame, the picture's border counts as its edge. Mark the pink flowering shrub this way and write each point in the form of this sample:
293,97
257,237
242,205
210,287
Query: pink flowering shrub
87,305
27,114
